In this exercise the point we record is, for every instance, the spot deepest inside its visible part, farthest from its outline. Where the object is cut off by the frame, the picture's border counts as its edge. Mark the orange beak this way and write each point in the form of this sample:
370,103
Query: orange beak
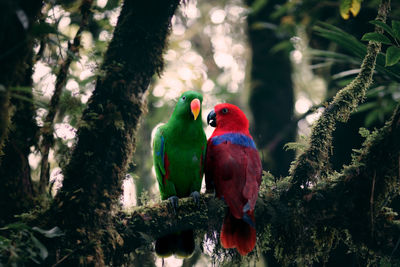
195,108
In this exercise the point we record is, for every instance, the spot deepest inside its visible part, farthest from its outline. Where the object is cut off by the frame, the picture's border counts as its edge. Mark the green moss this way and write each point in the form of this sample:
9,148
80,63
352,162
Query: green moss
311,165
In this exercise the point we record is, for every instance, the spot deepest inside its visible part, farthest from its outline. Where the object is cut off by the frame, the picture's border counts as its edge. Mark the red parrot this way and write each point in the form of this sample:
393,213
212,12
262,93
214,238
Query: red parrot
233,168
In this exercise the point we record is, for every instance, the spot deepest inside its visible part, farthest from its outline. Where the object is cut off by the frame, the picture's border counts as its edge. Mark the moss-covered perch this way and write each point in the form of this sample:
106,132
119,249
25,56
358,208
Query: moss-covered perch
336,210
159,219
349,207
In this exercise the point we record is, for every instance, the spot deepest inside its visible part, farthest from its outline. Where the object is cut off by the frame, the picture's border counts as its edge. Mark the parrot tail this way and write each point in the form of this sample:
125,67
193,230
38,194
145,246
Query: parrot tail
236,233
165,245
181,244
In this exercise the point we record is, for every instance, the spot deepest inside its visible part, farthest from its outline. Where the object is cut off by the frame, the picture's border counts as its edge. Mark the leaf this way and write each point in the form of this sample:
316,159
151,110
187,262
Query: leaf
365,106
372,117
392,55
43,28
23,89
376,37
53,232
4,241
344,8
355,7
334,56
257,6
15,226
384,26
396,28
355,47
260,25
349,6
342,38
296,146
43,253
281,46
38,103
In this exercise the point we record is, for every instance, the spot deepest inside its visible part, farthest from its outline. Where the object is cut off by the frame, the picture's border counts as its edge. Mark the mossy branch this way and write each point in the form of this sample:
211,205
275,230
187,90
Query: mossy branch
336,210
153,221
308,167
359,198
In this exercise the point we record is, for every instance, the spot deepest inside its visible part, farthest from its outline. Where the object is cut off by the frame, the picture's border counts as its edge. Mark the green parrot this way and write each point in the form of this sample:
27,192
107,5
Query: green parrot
178,155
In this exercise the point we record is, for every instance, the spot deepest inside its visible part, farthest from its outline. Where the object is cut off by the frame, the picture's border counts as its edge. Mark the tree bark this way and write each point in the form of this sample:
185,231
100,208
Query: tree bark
92,182
16,190
16,106
271,91
16,20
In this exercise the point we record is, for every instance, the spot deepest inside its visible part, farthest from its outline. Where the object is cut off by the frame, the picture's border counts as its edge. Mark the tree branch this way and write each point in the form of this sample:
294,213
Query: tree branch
48,127
159,219
348,195
309,165
338,209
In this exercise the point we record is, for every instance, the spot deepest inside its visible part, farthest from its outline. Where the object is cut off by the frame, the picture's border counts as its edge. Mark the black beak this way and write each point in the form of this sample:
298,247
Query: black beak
212,119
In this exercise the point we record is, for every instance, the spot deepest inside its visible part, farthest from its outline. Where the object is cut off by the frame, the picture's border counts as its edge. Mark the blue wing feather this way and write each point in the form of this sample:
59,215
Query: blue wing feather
234,138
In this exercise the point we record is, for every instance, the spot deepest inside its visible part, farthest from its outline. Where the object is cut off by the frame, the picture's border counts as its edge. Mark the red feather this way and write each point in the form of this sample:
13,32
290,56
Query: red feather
236,233
166,166
234,167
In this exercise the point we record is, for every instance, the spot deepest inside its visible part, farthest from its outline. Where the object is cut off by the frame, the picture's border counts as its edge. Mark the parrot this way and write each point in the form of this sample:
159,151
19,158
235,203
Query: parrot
179,148
233,168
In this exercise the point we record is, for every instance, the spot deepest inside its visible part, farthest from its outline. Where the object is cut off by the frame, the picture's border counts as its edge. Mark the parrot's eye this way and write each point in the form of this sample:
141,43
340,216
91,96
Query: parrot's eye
183,98
224,110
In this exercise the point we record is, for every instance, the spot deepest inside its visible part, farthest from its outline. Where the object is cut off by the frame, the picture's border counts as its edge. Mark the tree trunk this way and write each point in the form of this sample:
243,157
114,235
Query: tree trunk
16,191
92,182
16,20
16,106
271,91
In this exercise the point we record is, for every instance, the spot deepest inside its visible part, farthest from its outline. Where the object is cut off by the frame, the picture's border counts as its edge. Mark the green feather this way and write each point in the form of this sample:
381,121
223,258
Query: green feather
182,142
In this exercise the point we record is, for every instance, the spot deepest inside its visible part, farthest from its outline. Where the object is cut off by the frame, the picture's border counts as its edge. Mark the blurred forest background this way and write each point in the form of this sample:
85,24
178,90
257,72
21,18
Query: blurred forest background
280,61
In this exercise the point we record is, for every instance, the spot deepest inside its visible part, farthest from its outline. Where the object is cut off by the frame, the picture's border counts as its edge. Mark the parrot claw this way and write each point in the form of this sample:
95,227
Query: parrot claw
196,197
174,202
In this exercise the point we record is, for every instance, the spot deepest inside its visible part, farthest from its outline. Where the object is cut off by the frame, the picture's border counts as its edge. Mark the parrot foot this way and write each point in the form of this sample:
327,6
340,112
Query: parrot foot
196,197
174,202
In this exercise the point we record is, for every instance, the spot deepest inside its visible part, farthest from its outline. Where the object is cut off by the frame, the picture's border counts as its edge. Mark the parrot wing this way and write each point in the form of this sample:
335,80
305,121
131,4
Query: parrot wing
235,170
196,185
161,164
253,178
226,167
